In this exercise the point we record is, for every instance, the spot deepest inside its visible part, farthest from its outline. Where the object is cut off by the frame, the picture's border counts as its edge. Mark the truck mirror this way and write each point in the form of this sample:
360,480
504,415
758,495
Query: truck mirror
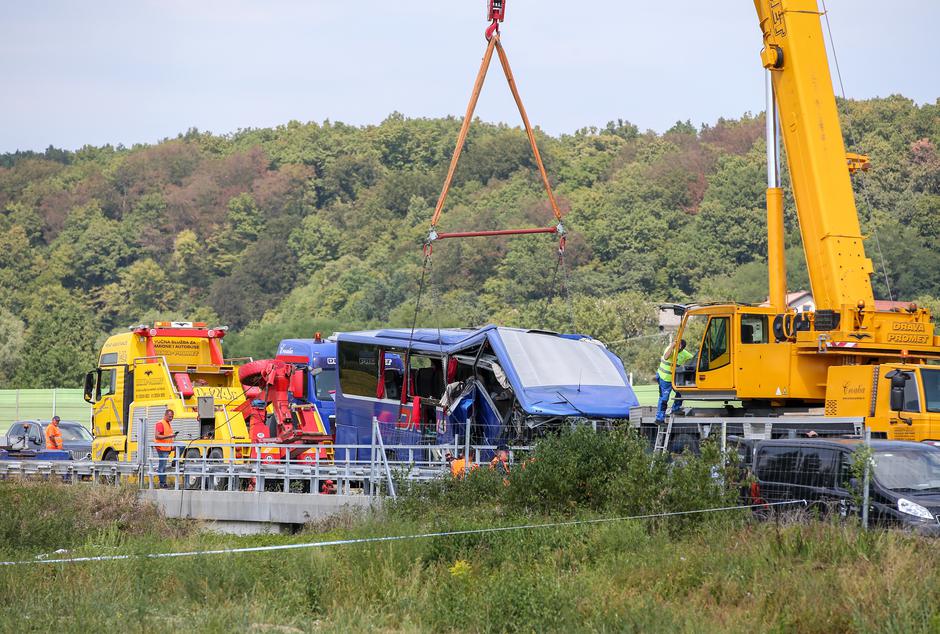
90,386
297,381
898,382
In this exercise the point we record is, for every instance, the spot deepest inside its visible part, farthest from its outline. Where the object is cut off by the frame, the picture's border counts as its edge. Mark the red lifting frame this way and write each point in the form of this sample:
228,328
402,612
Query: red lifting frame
496,12
498,232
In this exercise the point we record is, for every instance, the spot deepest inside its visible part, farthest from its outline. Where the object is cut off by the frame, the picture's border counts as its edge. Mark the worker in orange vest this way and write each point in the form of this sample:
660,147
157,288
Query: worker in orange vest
53,434
500,463
458,466
164,436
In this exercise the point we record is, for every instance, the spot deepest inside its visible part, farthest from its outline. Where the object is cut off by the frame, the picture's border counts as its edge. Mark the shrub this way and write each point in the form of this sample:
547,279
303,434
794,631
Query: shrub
581,471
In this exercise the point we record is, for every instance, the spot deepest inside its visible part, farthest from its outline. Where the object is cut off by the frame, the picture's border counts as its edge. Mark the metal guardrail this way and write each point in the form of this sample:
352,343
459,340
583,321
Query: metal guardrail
264,469
69,470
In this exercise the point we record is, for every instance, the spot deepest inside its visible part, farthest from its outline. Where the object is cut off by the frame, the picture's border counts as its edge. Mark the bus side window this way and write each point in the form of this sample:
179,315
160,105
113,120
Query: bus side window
358,369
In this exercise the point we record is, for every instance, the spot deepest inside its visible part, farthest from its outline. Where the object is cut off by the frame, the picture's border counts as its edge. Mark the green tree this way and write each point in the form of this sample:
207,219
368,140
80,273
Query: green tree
12,340
60,341
244,217
315,242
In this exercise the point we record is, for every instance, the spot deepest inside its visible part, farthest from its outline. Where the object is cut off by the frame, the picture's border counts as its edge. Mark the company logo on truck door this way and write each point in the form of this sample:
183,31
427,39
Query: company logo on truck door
853,392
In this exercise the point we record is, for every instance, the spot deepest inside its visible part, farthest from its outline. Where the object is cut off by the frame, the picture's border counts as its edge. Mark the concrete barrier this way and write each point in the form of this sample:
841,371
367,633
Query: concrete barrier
254,512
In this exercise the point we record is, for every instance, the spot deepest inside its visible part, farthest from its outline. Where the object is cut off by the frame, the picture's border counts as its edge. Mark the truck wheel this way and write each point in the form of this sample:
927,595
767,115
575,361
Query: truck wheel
109,456
192,461
681,442
217,482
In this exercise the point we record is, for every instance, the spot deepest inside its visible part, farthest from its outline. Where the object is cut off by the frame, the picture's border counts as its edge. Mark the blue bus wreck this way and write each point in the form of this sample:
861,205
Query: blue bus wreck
509,384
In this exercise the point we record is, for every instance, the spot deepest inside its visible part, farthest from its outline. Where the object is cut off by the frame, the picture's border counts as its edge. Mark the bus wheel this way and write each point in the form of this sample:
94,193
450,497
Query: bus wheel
192,461
217,482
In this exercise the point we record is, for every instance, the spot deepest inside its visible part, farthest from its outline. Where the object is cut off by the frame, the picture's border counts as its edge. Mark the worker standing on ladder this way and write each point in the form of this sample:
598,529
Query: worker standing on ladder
664,377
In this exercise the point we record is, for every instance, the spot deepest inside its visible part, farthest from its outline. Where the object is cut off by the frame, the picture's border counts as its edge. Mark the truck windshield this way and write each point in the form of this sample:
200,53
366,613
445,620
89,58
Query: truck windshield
932,389
908,470
541,360
326,383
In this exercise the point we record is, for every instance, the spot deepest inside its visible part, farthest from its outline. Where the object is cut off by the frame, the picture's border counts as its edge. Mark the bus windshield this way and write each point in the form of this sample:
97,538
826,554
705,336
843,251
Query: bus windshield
325,383
543,360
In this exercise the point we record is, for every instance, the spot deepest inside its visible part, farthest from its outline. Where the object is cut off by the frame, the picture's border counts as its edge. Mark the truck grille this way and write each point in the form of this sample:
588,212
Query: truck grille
146,418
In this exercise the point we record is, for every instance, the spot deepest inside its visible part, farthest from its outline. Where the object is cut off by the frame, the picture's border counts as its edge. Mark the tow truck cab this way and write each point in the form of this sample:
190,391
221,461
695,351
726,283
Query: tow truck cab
318,357
170,365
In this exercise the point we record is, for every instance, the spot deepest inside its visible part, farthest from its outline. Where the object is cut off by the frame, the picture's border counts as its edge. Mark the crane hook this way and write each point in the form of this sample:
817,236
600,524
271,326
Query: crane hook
496,13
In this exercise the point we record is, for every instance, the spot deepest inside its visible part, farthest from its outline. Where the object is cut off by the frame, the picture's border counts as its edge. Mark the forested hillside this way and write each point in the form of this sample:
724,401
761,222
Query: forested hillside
308,227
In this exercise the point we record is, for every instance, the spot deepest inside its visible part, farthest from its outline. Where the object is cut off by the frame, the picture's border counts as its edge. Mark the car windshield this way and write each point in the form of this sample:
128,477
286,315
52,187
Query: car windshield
931,389
908,470
326,383
75,433
541,360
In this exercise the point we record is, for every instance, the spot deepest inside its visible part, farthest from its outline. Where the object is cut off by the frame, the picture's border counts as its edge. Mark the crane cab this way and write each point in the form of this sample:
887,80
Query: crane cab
740,353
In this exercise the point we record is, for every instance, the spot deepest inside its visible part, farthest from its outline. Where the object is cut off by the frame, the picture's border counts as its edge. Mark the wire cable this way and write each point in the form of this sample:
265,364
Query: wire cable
832,45
394,538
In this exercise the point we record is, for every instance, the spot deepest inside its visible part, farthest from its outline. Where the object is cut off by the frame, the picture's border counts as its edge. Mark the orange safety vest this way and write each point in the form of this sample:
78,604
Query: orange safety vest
457,467
53,437
163,428
496,463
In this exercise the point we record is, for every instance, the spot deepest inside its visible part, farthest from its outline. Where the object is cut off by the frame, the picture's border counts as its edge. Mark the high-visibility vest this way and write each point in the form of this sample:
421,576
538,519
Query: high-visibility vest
458,467
665,364
497,464
53,437
163,428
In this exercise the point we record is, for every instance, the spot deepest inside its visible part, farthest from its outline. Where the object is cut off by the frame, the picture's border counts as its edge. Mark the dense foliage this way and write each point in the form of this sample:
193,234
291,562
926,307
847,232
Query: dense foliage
313,226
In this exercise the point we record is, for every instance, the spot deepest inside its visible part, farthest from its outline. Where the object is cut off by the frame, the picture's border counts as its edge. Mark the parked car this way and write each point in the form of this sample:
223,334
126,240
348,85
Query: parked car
904,484
31,435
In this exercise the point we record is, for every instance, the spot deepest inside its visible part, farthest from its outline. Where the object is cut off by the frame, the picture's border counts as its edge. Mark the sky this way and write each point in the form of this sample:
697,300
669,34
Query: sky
137,71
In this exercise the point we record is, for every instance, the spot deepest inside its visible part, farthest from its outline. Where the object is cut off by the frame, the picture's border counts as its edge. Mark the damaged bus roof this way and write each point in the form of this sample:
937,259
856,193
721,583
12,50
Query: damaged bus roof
551,374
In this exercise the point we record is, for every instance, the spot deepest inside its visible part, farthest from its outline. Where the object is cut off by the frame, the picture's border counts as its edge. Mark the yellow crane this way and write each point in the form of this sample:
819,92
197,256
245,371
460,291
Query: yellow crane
845,360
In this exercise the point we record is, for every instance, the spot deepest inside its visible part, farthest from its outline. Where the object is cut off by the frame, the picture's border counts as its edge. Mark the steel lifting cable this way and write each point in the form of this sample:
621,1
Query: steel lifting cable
406,362
559,263
494,44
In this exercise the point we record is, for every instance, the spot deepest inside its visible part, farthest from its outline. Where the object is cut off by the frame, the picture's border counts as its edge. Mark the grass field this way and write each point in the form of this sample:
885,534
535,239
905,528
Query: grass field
729,575
694,574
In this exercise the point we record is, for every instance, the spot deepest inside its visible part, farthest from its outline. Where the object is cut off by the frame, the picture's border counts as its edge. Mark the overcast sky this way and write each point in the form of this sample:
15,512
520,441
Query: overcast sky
132,71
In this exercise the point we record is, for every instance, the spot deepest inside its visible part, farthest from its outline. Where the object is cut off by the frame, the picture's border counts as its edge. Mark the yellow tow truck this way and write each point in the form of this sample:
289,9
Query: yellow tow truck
169,365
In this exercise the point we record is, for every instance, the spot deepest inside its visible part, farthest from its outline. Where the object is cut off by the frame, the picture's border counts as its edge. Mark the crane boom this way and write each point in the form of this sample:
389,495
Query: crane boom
795,53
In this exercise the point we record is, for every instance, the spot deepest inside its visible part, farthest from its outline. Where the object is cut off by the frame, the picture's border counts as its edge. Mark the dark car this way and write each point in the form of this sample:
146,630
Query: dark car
904,484
31,435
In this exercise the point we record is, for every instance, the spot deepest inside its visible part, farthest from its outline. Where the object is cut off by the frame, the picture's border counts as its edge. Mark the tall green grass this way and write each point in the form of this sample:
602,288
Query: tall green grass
722,573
